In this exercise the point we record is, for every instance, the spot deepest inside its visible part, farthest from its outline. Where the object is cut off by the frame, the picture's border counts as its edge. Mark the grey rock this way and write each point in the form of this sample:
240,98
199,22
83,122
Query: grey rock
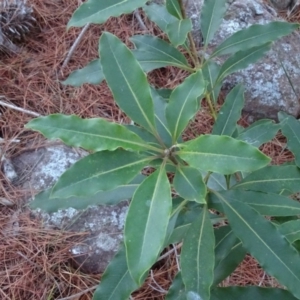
38,170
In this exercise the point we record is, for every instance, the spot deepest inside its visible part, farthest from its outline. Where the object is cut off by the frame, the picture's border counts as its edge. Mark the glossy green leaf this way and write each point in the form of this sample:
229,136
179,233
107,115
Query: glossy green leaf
264,242
189,184
265,203
242,59
160,105
230,112
112,197
290,127
211,72
153,53
147,222
101,171
184,103
91,134
291,230
212,13
116,282
159,15
218,182
177,289
250,293
272,179
177,31
259,132
95,11
254,36
222,154
173,8
127,81
91,73
197,256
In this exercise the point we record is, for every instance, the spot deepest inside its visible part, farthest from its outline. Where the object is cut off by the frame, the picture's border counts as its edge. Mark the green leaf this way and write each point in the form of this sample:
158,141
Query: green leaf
266,204
159,15
92,73
290,127
91,134
116,282
153,53
254,36
197,256
127,81
189,185
264,242
184,103
230,112
242,59
124,192
212,14
222,154
250,293
100,171
218,182
173,8
211,72
97,12
178,31
291,230
147,222
272,179
259,132
177,289
160,105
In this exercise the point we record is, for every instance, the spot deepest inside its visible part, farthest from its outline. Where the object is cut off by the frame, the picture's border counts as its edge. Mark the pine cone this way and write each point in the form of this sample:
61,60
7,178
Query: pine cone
16,21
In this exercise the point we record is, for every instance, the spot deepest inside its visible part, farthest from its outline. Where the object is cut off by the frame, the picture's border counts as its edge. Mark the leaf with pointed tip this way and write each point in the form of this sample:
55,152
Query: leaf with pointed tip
264,242
173,8
290,127
211,72
97,12
254,36
272,179
116,282
127,81
101,171
230,112
184,103
153,53
189,184
259,132
242,59
222,154
91,73
177,289
91,134
177,31
212,14
250,293
266,204
147,222
112,197
291,230
197,256
159,15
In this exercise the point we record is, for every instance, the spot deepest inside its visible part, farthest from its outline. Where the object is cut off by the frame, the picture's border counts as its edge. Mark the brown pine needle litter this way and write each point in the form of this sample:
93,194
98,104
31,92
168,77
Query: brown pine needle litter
35,263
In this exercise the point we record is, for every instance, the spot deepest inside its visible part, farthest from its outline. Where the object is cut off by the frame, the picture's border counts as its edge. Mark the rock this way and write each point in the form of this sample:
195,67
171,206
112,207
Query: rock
39,170
267,88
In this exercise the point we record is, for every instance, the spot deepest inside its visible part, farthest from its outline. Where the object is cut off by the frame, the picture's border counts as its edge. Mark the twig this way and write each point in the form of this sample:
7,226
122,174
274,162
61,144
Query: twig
79,294
29,112
139,19
169,252
74,46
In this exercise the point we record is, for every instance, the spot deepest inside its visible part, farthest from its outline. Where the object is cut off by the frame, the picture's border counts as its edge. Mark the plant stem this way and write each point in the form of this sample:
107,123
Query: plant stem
194,53
211,107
